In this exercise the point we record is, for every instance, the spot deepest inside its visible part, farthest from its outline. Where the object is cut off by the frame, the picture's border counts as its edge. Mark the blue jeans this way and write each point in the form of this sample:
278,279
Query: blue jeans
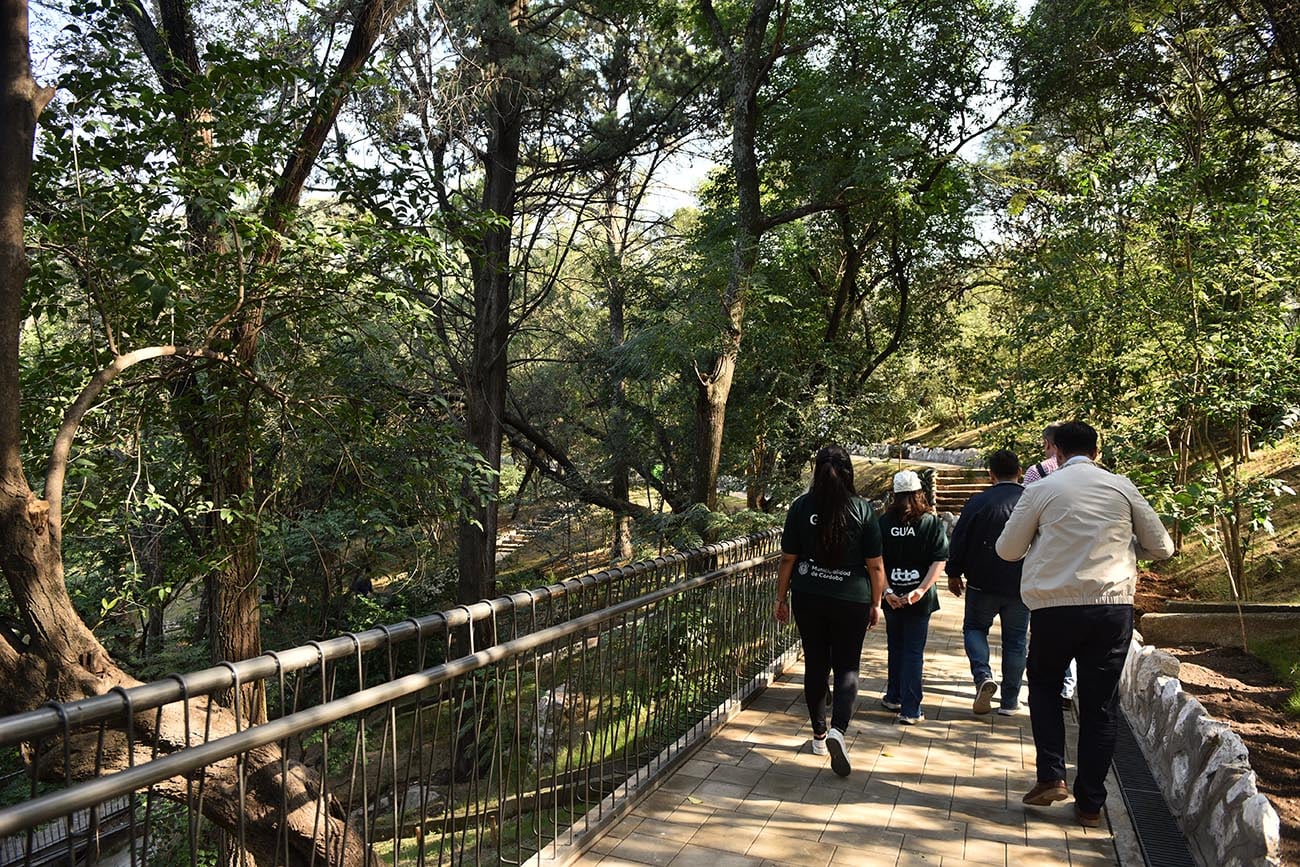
906,632
981,608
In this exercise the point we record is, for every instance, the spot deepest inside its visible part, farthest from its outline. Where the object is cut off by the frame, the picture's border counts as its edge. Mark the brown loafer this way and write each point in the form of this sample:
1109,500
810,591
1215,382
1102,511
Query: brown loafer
1086,819
1046,794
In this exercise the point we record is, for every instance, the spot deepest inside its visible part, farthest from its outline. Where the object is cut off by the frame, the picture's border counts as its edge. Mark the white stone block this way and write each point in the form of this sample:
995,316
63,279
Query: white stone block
1261,823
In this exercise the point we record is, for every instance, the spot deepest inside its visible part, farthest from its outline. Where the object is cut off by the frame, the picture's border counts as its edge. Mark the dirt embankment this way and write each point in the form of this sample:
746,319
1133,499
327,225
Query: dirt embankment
1245,693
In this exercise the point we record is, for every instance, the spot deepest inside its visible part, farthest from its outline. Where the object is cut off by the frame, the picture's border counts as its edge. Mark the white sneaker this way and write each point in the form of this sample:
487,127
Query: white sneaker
911,720
819,746
984,696
839,752
891,705
1009,711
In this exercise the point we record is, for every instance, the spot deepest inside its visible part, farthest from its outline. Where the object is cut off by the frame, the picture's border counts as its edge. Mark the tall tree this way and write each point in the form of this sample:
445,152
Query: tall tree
514,140
61,659
218,419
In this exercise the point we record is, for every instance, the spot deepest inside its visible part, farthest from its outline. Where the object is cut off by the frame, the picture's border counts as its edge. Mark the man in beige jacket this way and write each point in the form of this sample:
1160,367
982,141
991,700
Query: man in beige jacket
1080,532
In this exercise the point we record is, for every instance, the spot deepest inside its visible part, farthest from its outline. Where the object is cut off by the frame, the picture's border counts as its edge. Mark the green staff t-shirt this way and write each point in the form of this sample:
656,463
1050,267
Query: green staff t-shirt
846,579
909,549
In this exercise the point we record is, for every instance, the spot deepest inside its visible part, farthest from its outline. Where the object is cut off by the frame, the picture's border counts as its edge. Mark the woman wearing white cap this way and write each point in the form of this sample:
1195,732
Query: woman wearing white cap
915,547
830,557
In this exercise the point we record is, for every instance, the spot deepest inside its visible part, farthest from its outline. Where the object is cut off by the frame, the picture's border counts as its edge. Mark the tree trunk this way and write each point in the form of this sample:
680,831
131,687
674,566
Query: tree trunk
748,64
616,442
711,396
762,460
1182,472
486,372
234,600
621,549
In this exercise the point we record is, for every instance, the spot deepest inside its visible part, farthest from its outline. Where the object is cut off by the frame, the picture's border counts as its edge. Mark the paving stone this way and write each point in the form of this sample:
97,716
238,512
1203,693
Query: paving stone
626,826
757,759
696,768
927,821
720,796
946,847
858,845
1084,844
659,804
761,806
790,849
1004,826
604,844
782,786
679,783
681,833
724,753
738,776
645,849
993,852
700,856
729,833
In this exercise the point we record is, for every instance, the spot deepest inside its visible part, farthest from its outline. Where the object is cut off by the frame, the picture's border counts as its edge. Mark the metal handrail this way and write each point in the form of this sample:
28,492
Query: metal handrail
566,706
49,721
92,792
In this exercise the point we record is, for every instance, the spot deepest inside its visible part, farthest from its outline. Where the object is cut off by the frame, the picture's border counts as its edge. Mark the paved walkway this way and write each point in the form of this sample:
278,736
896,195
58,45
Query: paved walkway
946,792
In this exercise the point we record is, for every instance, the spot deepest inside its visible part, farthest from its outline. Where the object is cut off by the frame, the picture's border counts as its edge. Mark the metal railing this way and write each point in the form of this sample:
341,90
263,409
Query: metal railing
485,734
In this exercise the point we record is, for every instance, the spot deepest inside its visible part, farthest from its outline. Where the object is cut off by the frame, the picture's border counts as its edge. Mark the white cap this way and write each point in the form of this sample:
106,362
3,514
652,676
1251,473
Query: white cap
905,481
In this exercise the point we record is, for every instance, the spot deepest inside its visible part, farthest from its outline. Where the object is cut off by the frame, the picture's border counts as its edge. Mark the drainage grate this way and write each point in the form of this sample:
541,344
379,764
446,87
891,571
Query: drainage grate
1161,841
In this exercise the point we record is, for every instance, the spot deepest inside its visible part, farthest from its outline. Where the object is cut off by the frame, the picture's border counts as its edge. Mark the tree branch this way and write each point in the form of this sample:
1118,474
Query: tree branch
547,456
789,215
72,417
898,269
9,657
719,35
151,42
372,17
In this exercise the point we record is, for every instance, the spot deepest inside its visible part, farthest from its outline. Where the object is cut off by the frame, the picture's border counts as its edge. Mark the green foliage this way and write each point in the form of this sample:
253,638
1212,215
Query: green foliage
1283,656
1150,259
150,207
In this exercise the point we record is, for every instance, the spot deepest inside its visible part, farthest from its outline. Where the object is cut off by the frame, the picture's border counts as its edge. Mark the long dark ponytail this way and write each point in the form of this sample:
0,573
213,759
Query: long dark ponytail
832,493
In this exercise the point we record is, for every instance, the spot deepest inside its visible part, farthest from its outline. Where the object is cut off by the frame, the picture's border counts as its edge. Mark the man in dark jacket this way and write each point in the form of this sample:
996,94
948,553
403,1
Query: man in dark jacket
992,585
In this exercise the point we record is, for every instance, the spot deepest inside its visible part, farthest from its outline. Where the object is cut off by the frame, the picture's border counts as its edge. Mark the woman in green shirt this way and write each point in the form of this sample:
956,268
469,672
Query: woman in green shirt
831,560
915,547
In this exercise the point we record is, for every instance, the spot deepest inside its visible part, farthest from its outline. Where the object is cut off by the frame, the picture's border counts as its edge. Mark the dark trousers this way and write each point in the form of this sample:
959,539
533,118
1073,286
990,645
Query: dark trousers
1098,637
832,631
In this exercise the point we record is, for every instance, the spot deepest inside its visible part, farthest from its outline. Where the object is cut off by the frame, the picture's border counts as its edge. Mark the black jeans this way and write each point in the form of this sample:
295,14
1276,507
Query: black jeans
832,631
1098,637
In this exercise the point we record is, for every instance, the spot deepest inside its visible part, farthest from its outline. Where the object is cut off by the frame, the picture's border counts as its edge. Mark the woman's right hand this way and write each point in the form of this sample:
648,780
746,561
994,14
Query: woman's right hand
782,611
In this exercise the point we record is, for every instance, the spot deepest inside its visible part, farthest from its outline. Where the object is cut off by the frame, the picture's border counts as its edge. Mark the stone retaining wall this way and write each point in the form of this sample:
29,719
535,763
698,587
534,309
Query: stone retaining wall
1202,766
970,458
